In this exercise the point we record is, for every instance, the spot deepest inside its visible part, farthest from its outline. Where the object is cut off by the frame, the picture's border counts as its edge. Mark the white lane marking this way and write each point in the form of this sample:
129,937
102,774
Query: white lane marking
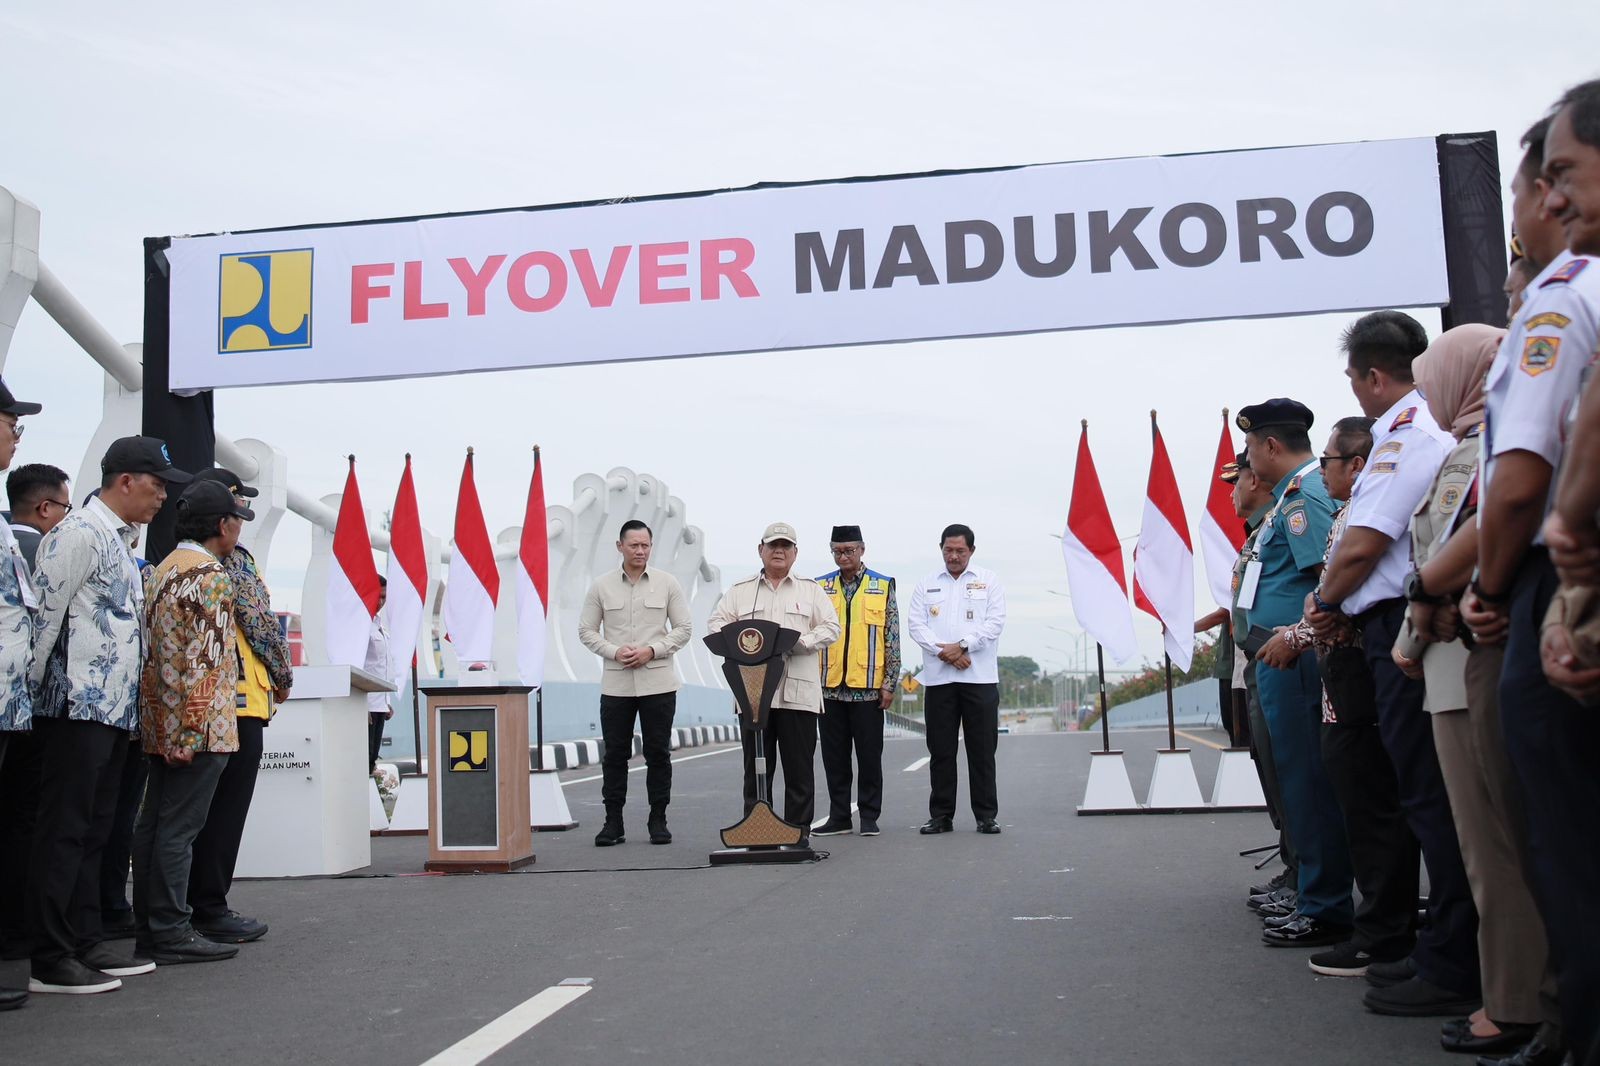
919,764
1042,918
641,768
820,822
474,1048
1063,870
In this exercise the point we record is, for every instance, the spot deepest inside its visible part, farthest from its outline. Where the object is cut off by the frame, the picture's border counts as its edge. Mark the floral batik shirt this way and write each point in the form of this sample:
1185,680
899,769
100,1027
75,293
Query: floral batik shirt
87,643
16,635
192,668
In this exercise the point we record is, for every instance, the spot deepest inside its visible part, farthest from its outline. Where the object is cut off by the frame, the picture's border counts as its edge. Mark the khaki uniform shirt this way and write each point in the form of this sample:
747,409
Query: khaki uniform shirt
1444,666
797,603
653,611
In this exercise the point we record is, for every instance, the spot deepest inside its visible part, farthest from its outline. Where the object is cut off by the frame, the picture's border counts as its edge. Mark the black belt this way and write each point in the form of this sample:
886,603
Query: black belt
1381,607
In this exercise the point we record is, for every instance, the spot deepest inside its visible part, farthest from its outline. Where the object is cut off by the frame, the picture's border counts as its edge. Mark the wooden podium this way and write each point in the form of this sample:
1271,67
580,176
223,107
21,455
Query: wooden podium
478,778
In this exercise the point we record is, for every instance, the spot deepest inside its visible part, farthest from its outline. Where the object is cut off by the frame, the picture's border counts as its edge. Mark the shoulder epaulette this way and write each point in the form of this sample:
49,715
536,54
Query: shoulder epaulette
1568,271
1293,486
1404,418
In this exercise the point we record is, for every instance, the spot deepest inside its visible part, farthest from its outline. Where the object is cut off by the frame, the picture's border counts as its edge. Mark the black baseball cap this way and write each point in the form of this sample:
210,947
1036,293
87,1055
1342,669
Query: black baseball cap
209,497
222,475
10,405
142,455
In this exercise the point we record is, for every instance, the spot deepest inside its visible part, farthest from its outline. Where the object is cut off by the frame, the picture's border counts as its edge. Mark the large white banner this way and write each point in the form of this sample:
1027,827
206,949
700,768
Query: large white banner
1280,231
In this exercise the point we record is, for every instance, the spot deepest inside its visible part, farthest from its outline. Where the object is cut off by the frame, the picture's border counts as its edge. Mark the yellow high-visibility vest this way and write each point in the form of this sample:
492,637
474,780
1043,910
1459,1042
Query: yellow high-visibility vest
857,660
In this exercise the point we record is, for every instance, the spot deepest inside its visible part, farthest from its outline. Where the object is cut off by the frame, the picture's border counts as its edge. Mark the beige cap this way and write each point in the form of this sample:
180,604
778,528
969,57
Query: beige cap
779,531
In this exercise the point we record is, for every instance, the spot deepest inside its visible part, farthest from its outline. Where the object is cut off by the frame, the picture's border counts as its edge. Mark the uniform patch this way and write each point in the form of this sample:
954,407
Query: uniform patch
1539,354
1383,468
1449,498
1392,447
1298,522
1404,418
1549,318
1567,272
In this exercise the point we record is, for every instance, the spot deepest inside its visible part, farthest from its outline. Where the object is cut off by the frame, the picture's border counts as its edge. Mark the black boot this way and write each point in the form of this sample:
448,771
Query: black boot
611,832
659,833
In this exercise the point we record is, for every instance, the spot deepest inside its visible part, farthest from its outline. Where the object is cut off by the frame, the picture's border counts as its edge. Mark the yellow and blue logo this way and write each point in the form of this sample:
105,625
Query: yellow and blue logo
264,301
469,750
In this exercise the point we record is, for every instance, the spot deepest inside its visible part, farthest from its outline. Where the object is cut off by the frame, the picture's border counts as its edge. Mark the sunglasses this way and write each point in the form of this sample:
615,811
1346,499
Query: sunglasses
1324,460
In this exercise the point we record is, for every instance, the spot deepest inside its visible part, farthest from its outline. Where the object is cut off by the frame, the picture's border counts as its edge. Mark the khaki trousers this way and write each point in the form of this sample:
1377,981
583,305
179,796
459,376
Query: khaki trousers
1511,939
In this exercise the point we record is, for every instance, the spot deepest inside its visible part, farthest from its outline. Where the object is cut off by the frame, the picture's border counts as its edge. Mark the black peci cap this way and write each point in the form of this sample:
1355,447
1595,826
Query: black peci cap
211,497
222,475
142,455
845,534
10,405
1281,411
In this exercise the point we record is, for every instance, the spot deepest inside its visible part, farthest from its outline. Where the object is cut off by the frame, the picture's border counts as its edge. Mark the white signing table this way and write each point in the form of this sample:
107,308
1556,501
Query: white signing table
309,814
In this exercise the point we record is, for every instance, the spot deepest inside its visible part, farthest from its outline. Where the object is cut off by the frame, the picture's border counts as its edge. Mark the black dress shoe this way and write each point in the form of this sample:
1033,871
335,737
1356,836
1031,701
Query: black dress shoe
1418,998
1534,1053
936,825
989,825
1511,1037
1384,974
12,998
834,827
1304,932
610,834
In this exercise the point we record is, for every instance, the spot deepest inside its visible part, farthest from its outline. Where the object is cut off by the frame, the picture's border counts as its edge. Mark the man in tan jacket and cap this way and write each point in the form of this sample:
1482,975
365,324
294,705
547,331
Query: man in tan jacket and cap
796,603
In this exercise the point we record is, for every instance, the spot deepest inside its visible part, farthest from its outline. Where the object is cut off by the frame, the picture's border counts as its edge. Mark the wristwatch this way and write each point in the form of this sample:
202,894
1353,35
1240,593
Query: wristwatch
1322,604
1478,591
963,643
1416,593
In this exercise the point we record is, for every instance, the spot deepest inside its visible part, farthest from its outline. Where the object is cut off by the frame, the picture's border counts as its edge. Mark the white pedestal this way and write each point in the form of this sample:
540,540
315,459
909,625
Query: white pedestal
310,812
548,803
410,806
1238,787
1109,789
1174,786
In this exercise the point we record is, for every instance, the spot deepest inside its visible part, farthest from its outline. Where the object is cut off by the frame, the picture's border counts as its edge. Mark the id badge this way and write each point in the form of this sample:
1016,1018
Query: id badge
1247,587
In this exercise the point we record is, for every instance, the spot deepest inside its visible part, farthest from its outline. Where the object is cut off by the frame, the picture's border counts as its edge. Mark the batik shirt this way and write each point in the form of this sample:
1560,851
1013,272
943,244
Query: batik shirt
192,669
252,613
16,636
88,646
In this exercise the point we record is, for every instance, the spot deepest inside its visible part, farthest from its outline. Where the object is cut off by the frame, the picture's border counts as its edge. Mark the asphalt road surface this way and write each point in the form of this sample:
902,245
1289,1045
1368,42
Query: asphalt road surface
1064,940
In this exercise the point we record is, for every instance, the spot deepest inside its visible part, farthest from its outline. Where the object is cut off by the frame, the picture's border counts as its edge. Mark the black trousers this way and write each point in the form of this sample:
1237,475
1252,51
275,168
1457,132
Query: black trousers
654,715
20,772
951,710
1551,740
792,736
117,858
1267,771
1383,852
216,849
852,725
81,776
374,739
1447,947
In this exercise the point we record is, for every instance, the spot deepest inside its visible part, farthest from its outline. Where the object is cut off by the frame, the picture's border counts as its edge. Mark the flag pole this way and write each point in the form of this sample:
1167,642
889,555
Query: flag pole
1105,712
416,714
1172,735
538,693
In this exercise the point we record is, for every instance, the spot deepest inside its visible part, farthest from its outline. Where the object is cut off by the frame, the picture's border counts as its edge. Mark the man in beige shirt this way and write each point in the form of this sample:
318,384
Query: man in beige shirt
636,619
796,603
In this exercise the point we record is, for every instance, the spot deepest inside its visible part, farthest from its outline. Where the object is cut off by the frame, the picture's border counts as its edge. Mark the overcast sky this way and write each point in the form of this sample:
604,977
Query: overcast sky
131,121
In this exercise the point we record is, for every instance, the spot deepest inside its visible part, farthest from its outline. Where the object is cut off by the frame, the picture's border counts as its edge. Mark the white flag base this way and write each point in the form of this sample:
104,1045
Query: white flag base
548,803
1109,790
410,807
377,817
1238,786
1173,786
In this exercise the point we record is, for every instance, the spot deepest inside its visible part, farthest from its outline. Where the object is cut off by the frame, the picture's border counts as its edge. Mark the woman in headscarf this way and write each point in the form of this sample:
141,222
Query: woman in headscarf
1462,699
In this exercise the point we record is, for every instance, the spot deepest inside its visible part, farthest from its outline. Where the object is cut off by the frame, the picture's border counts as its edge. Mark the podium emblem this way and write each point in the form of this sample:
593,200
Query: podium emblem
469,750
750,641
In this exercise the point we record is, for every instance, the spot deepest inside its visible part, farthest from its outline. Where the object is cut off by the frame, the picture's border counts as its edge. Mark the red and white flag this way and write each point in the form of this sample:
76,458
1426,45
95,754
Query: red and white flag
533,582
1163,562
1221,528
408,578
352,580
474,585
1095,575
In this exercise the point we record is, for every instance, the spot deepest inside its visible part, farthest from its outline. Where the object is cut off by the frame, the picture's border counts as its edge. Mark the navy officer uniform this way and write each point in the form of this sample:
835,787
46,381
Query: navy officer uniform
1288,560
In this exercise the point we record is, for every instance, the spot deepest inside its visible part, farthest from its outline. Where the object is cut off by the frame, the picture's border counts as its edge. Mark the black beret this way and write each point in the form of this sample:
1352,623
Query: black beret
1281,411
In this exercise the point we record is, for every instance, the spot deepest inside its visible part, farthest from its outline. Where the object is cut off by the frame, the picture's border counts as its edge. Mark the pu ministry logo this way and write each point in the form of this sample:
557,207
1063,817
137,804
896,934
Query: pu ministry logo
264,301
